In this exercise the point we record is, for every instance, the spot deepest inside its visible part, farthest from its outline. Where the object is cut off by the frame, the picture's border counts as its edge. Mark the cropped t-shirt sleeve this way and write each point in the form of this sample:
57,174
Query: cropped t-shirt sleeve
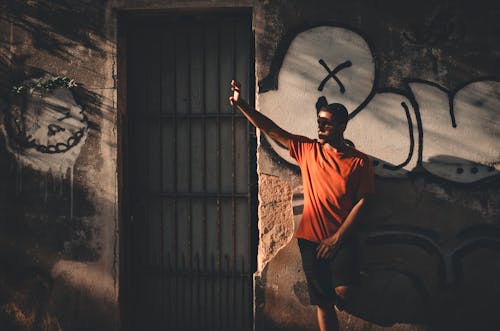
298,145
366,179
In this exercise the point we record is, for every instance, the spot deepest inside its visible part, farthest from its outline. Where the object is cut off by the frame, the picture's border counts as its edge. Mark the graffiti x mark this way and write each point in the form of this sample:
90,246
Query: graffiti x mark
331,74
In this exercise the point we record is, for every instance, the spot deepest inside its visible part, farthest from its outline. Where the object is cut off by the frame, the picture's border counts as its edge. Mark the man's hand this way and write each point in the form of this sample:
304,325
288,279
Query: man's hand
236,88
255,117
328,247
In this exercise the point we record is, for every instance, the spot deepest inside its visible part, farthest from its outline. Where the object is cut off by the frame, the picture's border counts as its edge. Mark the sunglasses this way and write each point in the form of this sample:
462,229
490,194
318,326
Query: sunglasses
323,122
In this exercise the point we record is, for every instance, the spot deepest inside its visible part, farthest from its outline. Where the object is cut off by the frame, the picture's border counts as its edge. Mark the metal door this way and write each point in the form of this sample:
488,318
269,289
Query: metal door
190,174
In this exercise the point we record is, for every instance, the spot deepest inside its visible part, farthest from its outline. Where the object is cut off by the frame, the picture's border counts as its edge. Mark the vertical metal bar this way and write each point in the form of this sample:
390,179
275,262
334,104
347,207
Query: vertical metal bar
167,285
148,179
252,194
242,282
162,293
213,283
249,211
173,286
219,164
252,187
168,311
190,166
183,292
204,179
197,319
233,175
132,306
176,229
139,224
227,285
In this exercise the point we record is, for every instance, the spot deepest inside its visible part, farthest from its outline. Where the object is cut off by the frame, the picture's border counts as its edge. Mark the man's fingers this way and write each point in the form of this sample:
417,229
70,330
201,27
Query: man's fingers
325,252
321,251
235,87
318,251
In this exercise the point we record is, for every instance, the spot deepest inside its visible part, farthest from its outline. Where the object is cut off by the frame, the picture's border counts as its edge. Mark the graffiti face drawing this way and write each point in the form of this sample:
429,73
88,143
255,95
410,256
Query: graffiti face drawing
46,131
60,123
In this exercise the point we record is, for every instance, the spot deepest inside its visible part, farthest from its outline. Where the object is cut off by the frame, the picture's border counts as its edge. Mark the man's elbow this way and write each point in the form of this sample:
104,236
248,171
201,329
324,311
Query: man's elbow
365,204
281,139
365,198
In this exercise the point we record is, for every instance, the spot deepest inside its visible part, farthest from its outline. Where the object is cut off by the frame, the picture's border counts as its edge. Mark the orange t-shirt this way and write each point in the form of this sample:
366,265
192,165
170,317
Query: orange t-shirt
333,183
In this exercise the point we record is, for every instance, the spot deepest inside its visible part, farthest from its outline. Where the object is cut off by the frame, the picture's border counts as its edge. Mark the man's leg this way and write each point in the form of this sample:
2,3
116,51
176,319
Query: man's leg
327,315
342,293
327,318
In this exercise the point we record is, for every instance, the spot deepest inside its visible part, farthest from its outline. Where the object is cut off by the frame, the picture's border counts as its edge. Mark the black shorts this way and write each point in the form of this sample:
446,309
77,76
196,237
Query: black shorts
323,276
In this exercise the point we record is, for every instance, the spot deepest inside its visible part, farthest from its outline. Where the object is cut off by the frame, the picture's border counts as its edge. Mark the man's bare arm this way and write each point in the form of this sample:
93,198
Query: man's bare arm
258,119
328,246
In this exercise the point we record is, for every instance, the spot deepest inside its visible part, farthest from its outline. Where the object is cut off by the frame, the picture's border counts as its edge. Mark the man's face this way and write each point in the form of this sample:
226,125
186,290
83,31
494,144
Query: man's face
329,129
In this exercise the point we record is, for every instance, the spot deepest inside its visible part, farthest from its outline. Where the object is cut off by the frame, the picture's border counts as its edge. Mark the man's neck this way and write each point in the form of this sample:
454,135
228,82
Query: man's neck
339,144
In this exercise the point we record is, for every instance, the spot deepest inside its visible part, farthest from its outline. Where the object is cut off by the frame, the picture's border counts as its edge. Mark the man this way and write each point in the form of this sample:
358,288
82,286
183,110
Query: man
337,180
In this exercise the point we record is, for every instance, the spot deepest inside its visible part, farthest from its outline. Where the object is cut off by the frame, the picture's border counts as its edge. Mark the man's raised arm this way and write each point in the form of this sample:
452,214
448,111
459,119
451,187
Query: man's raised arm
258,119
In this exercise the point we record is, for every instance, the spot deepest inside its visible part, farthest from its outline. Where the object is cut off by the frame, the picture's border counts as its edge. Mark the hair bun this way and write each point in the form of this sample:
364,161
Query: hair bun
321,103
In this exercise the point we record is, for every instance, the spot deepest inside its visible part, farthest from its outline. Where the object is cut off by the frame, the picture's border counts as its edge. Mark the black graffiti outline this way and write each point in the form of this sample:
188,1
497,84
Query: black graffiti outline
54,129
451,94
450,260
270,81
332,74
412,141
417,284
72,141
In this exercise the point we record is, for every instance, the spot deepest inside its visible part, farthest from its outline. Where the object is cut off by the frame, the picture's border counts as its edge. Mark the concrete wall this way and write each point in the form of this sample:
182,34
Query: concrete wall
423,91
58,206
422,88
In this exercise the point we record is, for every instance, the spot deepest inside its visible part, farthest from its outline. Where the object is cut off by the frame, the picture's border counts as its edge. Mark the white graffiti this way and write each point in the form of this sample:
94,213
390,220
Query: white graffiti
453,135
464,145
292,105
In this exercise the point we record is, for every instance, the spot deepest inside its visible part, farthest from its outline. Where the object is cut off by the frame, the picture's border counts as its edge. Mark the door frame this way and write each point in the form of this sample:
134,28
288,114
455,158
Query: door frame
124,18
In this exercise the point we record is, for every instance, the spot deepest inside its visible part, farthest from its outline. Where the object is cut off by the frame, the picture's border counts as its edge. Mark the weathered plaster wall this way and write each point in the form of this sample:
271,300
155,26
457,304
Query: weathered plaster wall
58,211
422,86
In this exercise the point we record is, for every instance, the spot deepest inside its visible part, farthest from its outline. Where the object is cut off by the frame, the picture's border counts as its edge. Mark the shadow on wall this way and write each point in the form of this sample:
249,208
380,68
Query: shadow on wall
41,247
50,243
57,26
425,258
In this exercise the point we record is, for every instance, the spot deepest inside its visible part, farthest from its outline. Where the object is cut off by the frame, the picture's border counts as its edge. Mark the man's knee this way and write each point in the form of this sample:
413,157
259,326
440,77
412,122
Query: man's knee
343,292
